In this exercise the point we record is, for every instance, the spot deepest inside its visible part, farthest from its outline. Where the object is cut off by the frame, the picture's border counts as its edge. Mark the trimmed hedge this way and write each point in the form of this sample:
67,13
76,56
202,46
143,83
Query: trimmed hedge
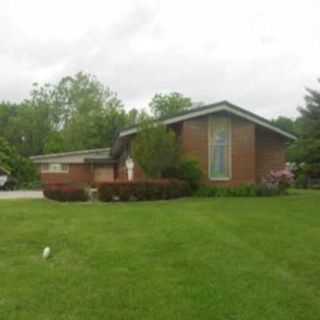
143,190
65,192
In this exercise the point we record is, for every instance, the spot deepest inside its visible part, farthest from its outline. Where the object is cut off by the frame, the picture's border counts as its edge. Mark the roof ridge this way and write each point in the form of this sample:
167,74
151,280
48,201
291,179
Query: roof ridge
224,105
67,153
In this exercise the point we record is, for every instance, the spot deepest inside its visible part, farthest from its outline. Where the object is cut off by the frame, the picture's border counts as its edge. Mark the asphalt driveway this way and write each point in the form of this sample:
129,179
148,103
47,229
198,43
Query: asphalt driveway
21,195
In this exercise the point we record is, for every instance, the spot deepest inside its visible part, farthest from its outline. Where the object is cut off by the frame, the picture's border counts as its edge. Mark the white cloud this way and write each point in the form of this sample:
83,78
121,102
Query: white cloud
258,54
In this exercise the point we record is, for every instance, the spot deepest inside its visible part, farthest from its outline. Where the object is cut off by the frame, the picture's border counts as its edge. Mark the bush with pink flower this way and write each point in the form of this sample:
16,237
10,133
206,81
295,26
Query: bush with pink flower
279,180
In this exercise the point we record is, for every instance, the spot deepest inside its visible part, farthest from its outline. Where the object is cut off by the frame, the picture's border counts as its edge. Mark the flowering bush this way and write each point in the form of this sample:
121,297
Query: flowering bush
274,184
279,180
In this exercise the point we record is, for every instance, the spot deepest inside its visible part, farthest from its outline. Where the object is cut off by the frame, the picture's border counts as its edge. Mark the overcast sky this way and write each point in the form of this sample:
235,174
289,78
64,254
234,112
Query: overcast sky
257,54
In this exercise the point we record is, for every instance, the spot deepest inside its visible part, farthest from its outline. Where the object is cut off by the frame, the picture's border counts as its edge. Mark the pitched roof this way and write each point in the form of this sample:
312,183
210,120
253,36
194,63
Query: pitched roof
102,152
213,108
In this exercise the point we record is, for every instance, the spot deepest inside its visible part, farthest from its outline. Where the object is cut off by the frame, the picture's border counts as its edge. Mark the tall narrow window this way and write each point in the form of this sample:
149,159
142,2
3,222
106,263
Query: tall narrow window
219,148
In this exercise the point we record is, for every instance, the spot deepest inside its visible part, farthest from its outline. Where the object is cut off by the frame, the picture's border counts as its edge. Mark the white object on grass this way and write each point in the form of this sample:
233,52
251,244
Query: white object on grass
46,253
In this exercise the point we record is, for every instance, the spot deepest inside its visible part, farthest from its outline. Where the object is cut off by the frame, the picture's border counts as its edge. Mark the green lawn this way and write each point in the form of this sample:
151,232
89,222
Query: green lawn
227,258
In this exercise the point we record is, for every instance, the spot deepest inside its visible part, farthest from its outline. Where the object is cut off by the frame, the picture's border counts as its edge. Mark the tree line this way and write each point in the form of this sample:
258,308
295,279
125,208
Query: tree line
79,112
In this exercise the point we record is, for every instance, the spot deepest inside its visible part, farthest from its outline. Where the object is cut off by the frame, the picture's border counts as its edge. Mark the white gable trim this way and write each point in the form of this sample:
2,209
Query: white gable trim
261,123
70,157
214,109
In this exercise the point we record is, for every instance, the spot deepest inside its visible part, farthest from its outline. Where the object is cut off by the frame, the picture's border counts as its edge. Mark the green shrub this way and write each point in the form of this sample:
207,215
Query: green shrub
260,190
263,190
187,170
143,190
301,181
204,191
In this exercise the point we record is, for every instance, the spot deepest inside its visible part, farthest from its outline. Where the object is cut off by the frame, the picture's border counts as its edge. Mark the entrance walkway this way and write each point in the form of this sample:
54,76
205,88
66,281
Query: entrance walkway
21,195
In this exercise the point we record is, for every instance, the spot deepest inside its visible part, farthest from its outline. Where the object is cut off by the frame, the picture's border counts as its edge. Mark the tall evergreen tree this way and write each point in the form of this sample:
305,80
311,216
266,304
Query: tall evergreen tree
308,146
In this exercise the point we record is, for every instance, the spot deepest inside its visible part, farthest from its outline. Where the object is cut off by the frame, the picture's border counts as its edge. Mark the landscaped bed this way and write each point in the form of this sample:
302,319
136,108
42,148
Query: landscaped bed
213,258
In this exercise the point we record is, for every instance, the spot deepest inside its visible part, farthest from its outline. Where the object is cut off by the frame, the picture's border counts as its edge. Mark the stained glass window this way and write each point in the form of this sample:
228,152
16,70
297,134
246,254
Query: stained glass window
219,148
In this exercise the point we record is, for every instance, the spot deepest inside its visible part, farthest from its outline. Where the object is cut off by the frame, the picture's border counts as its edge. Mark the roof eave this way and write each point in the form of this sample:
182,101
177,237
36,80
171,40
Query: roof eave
66,154
223,106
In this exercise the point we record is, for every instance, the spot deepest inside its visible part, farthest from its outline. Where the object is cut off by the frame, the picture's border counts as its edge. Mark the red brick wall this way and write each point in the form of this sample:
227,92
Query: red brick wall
78,173
195,145
254,151
243,152
194,139
271,152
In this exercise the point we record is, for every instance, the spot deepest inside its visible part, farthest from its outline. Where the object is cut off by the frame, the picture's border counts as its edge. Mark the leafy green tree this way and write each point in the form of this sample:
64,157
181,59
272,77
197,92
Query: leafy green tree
155,148
31,122
77,113
132,117
22,169
135,117
307,148
292,126
55,143
7,112
286,124
6,155
35,124
163,105
90,113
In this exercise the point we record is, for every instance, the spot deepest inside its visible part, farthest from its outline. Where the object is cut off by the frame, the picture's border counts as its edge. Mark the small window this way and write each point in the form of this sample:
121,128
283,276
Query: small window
219,148
55,168
44,167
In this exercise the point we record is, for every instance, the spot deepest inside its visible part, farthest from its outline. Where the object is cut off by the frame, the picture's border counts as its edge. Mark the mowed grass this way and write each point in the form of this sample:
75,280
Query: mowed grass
227,258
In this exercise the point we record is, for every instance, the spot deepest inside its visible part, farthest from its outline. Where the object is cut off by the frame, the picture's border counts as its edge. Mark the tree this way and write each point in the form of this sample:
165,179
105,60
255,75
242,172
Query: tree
91,115
286,124
76,113
7,111
55,143
307,147
292,126
155,148
31,122
169,104
22,169
135,117
37,119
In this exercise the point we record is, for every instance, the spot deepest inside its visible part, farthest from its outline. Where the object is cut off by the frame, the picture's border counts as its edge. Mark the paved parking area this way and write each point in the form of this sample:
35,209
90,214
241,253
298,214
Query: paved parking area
21,195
